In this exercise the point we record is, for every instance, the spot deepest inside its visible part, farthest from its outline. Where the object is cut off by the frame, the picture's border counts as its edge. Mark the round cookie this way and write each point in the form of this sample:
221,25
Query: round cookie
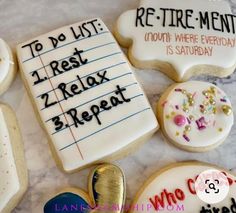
195,116
8,66
174,189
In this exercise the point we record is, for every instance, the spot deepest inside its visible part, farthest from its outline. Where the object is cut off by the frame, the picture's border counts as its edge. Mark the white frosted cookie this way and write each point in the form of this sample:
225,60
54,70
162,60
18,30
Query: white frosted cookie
13,171
195,116
86,94
181,38
178,188
8,66
106,193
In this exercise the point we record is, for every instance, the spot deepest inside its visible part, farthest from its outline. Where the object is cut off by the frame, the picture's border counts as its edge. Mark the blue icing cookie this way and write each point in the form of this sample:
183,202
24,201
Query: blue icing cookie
67,202
106,193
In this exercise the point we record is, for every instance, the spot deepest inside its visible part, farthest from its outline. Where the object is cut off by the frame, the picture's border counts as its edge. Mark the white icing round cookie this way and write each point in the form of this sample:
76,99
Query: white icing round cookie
173,189
8,66
13,171
180,37
195,115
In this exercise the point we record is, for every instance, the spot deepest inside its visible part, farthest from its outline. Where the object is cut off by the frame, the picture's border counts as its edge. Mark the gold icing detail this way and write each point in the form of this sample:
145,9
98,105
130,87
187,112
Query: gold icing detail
191,117
109,185
188,128
226,109
167,116
106,189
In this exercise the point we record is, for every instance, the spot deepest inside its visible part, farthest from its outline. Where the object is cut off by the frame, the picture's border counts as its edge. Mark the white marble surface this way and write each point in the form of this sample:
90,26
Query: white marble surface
23,19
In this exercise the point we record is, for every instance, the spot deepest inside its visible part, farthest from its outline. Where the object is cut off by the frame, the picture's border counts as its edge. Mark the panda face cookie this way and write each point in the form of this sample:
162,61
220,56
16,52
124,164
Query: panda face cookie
8,66
177,188
13,171
180,38
85,93
107,189
195,116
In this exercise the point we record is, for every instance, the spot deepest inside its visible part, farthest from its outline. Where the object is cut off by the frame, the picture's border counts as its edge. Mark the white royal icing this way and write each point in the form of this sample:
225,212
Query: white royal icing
153,38
111,130
4,60
174,178
206,120
9,181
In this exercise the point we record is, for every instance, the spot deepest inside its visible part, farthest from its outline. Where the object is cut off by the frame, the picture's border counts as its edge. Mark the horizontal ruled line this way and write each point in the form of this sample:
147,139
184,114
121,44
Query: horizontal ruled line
106,68
136,96
93,48
135,83
119,121
112,79
65,45
106,56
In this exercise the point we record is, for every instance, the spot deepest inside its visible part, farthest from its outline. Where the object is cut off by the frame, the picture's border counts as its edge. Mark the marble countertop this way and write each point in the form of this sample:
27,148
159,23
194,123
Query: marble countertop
24,19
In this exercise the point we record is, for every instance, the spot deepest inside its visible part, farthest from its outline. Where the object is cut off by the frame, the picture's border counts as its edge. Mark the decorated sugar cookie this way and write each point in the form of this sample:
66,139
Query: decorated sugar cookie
180,38
188,187
8,66
195,115
13,171
106,186
86,94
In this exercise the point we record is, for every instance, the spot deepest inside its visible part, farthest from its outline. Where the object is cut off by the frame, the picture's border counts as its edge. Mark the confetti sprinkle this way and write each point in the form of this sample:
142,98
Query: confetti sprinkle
178,90
186,138
223,100
179,120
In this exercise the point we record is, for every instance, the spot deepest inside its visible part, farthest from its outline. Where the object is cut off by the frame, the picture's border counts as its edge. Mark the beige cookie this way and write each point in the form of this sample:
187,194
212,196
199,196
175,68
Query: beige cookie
107,189
195,116
181,38
8,66
86,95
13,170
187,187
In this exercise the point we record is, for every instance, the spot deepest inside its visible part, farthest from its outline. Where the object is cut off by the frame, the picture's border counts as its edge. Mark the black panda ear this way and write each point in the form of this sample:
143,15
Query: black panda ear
107,188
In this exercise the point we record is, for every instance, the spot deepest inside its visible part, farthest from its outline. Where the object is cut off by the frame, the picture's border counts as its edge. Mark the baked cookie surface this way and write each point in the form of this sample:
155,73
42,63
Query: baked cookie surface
180,38
14,177
106,193
195,115
85,93
8,66
174,189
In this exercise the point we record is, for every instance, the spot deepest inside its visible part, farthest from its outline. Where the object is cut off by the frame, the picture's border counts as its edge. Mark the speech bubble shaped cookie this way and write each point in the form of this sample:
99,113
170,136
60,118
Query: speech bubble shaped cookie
13,171
8,66
107,189
178,188
181,38
195,116
86,94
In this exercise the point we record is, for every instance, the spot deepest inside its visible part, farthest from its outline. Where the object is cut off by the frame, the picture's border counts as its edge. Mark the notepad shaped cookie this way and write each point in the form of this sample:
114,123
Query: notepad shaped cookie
195,116
180,38
13,171
106,193
86,94
8,66
178,188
